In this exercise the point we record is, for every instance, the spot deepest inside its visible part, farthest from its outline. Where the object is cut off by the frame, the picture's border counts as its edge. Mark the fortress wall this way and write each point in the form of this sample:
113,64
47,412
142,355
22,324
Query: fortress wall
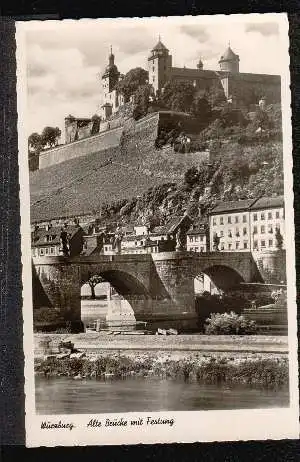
80,148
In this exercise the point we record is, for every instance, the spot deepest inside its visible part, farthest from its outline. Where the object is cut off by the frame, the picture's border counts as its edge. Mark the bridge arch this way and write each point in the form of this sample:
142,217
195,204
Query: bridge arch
224,277
123,282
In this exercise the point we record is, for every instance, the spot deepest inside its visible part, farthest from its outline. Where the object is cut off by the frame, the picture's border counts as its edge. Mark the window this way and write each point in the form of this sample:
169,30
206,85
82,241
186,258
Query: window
255,244
277,214
214,222
153,79
52,250
244,231
221,221
41,251
153,68
141,242
254,229
244,218
236,218
229,246
191,239
270,216
237,232
270,229
229,233
196,238
202,248
47,251
237,245
229,219
222,233
262,229
262,215
222,246
263,243
255,217
245,245
201,238
270,242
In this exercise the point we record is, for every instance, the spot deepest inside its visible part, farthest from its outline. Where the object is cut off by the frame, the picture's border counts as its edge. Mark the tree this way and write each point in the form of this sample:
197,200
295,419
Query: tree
50,136
201,108
178,96
229,324
279,239
141,100
92,282
191,176
132,81
216,241
35,142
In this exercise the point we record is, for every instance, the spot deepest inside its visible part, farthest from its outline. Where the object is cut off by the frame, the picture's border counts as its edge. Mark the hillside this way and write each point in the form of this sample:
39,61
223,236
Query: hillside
137,181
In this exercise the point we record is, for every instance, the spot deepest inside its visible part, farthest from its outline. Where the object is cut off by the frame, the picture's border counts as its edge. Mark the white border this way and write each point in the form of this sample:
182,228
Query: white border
189,426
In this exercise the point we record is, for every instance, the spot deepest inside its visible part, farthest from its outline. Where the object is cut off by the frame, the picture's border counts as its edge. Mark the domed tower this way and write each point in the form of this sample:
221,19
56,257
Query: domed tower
229,61
159,66
200,64
110,77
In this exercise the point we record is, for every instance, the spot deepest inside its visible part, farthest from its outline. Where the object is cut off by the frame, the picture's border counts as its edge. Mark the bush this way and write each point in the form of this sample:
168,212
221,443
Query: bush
229,324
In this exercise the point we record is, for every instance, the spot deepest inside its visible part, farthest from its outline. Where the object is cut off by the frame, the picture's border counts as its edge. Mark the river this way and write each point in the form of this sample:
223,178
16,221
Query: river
61,395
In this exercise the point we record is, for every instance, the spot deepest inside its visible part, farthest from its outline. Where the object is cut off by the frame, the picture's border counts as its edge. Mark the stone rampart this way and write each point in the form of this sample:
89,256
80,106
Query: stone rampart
108,139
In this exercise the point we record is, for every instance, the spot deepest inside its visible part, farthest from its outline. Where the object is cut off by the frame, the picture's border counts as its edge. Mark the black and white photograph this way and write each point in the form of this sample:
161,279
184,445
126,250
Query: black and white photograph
157,224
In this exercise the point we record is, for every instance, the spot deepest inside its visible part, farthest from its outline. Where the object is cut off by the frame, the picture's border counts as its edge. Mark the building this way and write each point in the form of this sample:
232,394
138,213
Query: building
267,220
247,225
79,128
112,99
197,238
244,87
55,241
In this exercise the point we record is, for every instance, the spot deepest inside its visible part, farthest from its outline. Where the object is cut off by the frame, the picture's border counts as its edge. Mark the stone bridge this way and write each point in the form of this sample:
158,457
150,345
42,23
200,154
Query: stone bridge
159,287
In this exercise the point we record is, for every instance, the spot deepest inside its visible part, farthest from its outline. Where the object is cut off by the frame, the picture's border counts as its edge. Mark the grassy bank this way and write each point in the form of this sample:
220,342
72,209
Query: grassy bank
251,370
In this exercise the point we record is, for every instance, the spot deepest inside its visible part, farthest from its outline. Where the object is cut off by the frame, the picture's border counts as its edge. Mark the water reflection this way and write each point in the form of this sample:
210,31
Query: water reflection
61,395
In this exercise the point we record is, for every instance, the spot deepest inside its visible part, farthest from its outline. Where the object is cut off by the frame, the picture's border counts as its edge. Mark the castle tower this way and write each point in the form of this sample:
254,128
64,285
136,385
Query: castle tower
229,61
109,78
200,64
159,66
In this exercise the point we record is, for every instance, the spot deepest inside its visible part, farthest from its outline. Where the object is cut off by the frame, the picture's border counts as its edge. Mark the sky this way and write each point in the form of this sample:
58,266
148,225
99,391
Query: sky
64,59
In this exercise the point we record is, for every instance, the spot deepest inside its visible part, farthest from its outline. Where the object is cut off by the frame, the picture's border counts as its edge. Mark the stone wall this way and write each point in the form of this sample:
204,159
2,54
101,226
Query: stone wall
272,266
80,148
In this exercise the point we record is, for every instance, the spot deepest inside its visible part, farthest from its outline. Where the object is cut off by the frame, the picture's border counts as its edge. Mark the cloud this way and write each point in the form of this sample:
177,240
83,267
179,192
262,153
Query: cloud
65,58
266,29
196,32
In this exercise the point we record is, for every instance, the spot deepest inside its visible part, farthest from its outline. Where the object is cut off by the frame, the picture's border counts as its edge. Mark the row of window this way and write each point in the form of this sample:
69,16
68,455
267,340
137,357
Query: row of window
195,238
197,249
43,251
244,232
256,216
244,245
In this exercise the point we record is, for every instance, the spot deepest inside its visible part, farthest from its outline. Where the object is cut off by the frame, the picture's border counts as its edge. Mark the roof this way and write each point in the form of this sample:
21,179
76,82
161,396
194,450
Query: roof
232,206
268,202
174,222
38,236
196,230
228,55
160,47
133,238
159,230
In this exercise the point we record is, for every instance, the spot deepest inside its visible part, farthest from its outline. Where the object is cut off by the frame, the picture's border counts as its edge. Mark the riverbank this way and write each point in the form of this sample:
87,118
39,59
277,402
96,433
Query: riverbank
248,369
100,342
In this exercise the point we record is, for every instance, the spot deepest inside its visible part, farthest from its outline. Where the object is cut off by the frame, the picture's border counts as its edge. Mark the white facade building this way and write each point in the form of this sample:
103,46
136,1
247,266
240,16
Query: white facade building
197,239
247,225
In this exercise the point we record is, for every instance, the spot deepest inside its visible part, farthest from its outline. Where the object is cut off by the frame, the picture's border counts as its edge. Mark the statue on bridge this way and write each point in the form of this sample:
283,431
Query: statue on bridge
180,240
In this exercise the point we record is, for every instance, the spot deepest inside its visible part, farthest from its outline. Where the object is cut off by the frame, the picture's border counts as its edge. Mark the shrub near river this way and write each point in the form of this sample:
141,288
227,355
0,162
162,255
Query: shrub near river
251,370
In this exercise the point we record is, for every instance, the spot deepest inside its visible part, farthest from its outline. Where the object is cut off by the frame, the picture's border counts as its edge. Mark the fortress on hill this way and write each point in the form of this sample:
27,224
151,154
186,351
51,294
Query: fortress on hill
85,136
242,87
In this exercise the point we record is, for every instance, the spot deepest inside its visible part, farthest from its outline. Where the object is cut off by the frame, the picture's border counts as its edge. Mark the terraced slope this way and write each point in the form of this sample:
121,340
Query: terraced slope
81,185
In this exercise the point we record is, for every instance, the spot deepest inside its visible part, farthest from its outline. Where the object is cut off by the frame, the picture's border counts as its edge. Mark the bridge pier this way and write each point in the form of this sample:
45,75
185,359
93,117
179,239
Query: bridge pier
61,284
